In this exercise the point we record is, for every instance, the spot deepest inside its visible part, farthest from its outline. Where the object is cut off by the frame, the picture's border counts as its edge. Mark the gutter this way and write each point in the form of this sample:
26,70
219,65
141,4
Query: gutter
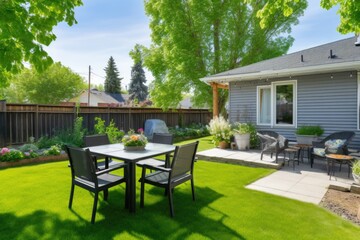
335,67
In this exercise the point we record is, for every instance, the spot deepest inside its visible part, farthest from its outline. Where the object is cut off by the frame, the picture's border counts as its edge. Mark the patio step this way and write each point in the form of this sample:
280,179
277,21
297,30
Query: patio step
249,158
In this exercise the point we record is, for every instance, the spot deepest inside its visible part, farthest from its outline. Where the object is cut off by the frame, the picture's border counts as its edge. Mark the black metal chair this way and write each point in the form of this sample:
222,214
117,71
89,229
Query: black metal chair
96,140
164,138
316,152
181,171
272,142
84,174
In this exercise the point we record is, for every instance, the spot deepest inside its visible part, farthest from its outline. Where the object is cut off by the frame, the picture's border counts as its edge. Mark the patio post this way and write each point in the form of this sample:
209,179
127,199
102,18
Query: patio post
215,99
215,87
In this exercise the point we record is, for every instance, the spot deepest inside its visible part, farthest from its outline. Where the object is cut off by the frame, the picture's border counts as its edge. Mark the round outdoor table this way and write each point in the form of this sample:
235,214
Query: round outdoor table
339,158
303,148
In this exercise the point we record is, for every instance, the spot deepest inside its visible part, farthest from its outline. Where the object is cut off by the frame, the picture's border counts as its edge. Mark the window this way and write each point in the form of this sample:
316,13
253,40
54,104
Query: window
264,105
276,104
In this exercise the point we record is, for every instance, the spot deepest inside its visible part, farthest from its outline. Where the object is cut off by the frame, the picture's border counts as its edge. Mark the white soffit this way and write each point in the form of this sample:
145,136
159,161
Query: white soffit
328,68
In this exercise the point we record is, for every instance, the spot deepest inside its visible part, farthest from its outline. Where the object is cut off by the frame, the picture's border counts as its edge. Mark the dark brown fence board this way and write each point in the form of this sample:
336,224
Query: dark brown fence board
19,122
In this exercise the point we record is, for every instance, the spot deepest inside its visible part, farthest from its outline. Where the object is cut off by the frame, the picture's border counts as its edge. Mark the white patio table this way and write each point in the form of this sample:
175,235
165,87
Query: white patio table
131,157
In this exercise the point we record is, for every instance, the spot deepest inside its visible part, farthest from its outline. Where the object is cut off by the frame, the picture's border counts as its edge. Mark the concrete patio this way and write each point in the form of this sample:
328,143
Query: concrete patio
302,183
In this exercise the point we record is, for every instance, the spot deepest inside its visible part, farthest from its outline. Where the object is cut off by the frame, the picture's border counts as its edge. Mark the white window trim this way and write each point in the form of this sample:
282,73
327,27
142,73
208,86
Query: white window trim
273,104
272,87
258,88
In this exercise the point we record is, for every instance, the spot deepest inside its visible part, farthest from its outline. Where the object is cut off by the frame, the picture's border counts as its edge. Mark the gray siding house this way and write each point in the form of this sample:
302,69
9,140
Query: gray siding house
316,86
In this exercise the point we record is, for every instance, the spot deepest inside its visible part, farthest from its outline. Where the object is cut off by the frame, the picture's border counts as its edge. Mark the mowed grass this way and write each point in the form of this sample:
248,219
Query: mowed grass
34,200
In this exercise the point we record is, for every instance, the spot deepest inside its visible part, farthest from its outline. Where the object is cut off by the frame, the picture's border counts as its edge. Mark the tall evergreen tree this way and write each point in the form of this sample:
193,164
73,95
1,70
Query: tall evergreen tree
137,89
112,79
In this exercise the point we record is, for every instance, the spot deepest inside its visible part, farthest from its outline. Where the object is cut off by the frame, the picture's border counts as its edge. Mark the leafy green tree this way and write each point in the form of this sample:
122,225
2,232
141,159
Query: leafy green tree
349,11
193,39
25,27
112,79
137,89
55,84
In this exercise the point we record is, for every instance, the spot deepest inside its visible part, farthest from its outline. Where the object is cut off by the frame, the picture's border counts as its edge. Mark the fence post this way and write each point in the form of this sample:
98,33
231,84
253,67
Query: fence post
3,123
37,123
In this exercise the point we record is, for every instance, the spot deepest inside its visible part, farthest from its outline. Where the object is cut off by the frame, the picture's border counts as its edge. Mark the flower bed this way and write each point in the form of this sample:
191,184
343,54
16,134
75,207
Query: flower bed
29,153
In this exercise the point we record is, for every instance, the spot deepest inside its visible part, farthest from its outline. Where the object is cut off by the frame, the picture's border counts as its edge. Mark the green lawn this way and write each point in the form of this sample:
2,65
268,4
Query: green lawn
34,199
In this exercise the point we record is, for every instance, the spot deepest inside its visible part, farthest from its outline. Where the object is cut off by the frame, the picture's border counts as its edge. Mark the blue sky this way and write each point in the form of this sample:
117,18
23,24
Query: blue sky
112,27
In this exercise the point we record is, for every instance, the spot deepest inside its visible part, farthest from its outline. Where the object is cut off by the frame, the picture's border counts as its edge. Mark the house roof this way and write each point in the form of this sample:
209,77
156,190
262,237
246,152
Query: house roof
344,56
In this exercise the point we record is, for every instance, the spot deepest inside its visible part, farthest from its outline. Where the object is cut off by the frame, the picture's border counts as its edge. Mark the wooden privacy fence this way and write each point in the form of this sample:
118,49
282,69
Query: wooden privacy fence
19,122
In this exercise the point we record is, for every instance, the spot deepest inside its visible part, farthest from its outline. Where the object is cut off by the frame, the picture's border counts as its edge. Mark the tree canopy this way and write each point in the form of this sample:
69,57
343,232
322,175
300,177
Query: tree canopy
57,83
349,11
193,39
25,27
112,79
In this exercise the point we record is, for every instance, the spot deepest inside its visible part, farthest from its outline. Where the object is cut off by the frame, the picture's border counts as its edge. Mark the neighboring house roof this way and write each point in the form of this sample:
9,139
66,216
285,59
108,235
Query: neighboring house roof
97,97
187,104
345,56
119,97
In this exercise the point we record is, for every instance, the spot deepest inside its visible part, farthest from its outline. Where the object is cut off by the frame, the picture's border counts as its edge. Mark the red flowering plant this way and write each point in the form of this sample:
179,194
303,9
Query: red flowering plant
135,139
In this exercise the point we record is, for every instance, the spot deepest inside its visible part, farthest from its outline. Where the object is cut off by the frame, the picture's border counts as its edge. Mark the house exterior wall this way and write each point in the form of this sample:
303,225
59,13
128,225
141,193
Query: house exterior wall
329,100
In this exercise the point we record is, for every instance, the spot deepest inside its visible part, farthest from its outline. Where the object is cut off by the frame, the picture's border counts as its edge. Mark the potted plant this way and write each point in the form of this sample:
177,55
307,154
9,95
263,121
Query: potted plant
242,134
220,130
308,134
133,141
356,171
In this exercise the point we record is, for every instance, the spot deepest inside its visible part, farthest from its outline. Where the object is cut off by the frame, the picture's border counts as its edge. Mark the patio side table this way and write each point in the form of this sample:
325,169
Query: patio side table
304,148
339,158
292,155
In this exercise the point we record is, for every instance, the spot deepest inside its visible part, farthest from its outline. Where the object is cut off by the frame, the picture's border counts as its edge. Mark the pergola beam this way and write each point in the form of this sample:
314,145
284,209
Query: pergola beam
215,87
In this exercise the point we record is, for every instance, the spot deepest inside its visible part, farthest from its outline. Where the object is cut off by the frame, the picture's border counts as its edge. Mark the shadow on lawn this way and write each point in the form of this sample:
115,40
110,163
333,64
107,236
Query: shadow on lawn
153,221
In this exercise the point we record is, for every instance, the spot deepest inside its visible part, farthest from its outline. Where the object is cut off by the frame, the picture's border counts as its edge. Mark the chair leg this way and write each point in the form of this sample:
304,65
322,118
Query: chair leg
106,194
142,193
71,195
261,157
94,207
170,193
193,189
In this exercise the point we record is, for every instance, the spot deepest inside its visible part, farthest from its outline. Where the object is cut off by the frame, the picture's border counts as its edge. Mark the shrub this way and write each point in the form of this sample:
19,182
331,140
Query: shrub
310,130
10,155
99,126
188,132
29,147
53,150
220,130
356,167
115,135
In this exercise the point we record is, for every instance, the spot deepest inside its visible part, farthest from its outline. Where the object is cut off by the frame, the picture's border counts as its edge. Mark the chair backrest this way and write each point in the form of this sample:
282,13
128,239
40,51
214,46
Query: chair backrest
183,160
96,140
346,135
165,138
81,163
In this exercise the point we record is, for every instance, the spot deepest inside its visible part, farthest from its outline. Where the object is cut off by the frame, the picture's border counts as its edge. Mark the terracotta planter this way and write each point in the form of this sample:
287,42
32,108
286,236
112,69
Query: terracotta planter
223,145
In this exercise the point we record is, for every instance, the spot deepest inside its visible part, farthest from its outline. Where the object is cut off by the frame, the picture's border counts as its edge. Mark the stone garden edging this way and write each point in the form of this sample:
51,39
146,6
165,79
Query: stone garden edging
40,159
